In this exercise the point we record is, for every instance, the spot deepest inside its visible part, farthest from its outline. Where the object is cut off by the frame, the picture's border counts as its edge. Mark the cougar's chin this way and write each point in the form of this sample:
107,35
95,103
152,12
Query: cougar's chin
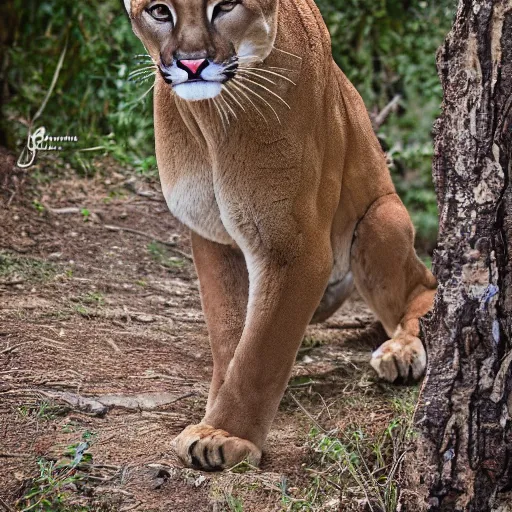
196,91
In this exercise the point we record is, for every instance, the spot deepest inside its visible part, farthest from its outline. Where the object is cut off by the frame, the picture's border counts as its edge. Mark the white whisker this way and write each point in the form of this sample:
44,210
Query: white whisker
279,69
263,70
287,53
266,89
237,88
220,114
141,71
232,95
144,78
259,96
145,94
225,116
228,105
252,73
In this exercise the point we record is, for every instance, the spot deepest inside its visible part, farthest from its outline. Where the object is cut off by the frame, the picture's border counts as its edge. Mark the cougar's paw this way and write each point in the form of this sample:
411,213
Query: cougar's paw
207,448
403,356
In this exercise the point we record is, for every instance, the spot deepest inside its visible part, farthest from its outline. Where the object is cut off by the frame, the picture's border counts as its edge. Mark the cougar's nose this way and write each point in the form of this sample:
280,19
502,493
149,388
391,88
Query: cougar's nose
193,66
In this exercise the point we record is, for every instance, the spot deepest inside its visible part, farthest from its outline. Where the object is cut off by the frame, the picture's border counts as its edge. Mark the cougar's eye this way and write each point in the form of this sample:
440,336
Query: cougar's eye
160,12
225,6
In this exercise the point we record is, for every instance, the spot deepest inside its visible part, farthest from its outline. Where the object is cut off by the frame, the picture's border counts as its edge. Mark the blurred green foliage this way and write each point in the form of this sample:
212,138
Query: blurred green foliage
93,98
386,47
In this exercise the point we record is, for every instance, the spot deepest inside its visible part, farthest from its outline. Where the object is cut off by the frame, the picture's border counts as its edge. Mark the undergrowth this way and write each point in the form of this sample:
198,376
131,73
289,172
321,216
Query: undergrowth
65,485
354,468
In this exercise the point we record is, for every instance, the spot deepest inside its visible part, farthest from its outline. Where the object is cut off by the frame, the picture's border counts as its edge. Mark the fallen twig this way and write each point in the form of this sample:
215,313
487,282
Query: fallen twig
10,349
5,506
113,345
84,404
9,455
172,245
307,413
63,211
101,405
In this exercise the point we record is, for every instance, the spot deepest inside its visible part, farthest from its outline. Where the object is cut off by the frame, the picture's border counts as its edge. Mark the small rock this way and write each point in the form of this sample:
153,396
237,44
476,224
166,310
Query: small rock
55,256
199,480
145,319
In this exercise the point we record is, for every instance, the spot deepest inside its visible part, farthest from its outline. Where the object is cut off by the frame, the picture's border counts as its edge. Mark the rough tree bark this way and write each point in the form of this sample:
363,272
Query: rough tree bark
463,457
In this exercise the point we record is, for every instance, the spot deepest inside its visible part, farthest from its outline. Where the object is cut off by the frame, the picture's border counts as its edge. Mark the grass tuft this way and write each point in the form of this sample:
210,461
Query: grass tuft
25,269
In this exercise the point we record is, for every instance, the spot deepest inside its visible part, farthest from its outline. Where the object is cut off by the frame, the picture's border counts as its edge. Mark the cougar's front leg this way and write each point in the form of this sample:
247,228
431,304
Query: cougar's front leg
395,284
224,286
283,295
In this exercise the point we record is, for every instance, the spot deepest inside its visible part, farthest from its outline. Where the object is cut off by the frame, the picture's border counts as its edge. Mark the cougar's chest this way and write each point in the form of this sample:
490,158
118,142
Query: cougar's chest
191,199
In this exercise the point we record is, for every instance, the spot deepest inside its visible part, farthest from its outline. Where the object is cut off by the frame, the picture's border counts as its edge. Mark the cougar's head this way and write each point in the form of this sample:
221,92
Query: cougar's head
198,45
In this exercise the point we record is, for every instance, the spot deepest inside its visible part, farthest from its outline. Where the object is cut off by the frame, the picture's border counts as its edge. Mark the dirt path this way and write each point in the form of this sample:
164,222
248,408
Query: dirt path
90,312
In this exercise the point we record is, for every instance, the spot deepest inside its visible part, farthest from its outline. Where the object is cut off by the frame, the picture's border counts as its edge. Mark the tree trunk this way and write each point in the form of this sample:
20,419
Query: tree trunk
463,455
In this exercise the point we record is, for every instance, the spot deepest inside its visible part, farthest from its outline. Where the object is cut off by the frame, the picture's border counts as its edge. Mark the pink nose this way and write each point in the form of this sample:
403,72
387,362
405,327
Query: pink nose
192,65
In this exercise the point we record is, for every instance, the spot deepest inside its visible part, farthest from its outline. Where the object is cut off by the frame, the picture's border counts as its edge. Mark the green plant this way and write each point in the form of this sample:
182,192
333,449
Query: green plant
365,464
161,255
94,298
43,409
82,310
234,504
51,490
26,269
85,214
37,205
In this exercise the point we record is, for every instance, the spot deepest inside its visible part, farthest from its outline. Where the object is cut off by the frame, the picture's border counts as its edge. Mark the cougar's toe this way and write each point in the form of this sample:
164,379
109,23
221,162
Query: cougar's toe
404,357
204,447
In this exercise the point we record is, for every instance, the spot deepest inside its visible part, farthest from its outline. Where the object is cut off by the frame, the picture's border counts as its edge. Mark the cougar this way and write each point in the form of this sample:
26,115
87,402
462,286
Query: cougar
266,152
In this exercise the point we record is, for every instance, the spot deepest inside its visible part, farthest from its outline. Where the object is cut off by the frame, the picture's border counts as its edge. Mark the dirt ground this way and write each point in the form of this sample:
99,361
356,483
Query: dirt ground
102,340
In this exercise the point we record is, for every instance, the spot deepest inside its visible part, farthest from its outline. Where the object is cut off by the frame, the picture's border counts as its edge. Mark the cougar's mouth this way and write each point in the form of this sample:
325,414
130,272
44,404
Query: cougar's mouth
198,79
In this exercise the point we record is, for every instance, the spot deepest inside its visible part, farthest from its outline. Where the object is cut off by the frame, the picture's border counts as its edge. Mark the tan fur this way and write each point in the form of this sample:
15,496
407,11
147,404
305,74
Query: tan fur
283,214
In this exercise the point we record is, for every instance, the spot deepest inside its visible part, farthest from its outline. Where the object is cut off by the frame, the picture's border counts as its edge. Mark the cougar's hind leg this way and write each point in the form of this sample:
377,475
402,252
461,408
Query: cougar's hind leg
395,284
334,296
224,285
